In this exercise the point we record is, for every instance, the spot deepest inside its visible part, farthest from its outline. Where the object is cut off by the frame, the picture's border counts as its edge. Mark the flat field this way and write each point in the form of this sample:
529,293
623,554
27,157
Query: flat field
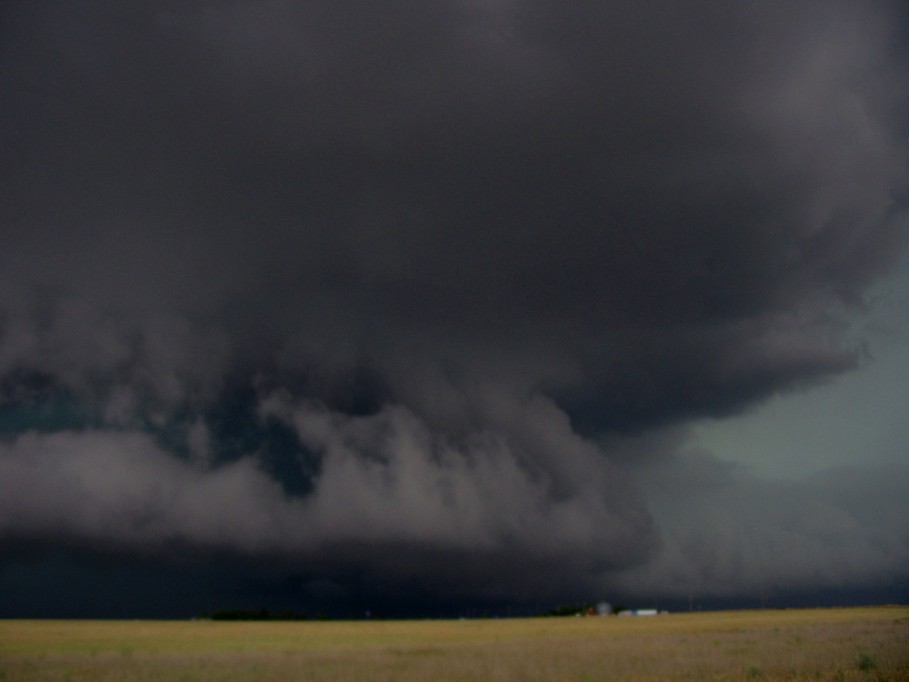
813,644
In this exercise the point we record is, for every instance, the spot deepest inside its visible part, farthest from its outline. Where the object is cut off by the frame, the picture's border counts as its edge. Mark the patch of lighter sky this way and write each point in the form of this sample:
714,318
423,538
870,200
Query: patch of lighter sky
857,419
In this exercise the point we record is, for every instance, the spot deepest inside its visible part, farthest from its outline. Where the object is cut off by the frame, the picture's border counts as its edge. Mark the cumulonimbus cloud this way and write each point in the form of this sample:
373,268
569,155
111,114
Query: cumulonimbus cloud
282,276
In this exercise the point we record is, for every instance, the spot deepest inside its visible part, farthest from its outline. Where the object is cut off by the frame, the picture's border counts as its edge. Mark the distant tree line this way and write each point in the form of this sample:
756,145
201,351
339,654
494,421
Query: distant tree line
588,609
571,610
263,614
259,614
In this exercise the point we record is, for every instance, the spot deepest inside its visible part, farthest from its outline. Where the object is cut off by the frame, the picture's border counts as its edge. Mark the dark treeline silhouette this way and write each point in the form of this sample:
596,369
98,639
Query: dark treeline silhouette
264,614
258,614
580,610
572,610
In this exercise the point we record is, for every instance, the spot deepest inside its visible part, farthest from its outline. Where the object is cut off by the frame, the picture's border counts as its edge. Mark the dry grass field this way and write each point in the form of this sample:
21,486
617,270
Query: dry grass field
859,644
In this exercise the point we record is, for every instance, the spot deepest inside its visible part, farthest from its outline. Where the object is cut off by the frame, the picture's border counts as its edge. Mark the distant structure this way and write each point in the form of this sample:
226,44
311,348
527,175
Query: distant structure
604,608
642,612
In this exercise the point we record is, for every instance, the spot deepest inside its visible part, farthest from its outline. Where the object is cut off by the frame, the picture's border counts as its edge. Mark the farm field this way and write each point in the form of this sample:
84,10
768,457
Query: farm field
855,644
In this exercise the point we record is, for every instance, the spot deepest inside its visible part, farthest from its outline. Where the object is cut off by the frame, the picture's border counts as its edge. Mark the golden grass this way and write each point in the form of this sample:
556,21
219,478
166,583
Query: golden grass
867,644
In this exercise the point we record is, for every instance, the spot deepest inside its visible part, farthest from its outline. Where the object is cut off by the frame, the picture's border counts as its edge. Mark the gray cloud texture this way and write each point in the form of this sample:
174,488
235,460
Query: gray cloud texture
743,535
342,284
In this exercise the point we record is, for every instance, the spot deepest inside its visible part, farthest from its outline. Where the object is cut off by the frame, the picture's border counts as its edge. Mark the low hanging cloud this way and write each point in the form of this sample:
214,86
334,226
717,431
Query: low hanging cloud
386,481
383,287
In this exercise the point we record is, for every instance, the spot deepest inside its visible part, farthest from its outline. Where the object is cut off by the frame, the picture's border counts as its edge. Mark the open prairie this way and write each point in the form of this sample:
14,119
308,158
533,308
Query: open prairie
817,644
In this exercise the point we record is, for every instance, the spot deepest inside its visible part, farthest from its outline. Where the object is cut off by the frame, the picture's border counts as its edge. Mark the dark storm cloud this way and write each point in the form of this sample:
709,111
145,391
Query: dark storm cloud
321,275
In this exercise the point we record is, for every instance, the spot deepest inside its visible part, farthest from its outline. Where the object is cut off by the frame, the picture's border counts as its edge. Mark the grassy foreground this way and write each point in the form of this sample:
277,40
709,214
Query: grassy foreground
817,644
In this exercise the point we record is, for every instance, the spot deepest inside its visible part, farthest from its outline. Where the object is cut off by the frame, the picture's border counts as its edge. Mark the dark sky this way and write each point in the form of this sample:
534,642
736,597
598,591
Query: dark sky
417,305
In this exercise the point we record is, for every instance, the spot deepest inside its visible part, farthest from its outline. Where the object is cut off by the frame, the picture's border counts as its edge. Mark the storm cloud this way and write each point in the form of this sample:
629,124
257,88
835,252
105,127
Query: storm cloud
415,289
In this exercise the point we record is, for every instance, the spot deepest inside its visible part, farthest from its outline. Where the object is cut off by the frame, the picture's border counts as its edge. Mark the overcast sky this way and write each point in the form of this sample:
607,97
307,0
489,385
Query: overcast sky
416,306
